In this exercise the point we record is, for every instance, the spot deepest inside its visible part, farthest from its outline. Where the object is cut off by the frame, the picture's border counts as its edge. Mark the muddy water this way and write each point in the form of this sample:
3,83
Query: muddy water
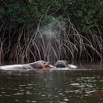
84,85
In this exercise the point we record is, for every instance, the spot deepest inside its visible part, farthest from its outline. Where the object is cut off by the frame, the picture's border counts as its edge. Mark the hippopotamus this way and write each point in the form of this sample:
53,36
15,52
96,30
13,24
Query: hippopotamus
64,64
35,65
61,64
39,65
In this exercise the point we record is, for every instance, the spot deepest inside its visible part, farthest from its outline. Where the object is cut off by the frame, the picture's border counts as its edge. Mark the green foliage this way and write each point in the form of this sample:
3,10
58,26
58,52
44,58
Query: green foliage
87,14
2,12
20,14
84,14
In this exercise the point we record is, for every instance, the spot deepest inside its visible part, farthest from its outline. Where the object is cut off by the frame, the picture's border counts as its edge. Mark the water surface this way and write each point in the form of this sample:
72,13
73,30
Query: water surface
84,85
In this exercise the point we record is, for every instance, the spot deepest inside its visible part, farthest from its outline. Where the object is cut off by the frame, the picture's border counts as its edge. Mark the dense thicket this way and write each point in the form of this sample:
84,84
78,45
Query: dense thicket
51,29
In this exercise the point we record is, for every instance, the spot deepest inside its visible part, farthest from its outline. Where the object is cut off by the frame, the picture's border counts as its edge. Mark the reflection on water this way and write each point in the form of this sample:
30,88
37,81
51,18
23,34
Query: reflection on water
52,86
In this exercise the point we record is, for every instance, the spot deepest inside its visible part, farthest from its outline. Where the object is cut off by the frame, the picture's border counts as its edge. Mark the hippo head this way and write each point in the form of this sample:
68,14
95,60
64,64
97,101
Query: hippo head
40,64
61,64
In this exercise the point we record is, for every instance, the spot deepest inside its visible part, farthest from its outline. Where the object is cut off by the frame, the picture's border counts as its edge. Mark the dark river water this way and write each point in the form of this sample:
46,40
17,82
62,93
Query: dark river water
84,85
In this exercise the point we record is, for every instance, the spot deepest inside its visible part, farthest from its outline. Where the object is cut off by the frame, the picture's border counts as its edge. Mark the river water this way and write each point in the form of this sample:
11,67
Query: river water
84,85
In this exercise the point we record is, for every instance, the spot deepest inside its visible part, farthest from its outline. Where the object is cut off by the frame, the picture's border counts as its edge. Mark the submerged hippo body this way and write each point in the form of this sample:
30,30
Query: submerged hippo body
35,65
64,64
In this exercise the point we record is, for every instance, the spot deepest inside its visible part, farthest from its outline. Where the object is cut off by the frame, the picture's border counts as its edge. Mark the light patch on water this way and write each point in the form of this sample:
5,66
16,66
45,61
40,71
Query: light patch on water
3,92
88,92
27,101
18,94
29,84
77,91
22,85
16,100
71,92
22,90
66,99
28,93
75,84
66,91
90,86
61,94
33,101
7,95
43,95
